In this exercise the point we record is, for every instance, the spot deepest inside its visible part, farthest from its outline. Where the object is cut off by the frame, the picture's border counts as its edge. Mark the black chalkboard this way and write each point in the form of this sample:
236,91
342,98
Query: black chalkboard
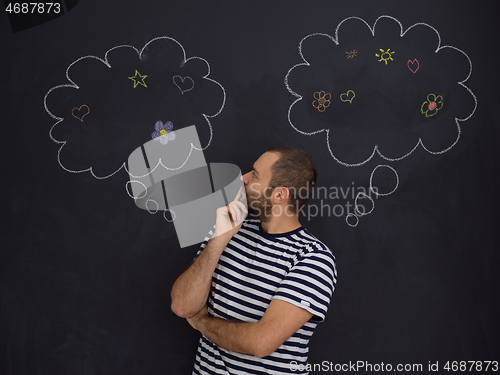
396,101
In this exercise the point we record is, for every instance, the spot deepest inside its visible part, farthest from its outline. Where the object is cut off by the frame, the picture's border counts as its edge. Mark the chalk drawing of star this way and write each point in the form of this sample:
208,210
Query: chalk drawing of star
138,79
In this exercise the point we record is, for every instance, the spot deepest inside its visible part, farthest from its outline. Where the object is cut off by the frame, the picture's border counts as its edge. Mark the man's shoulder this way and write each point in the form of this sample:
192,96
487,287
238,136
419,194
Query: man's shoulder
309,238
315,249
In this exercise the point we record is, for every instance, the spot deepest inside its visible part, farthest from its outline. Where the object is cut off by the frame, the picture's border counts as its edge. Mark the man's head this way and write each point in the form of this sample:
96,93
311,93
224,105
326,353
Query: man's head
280,183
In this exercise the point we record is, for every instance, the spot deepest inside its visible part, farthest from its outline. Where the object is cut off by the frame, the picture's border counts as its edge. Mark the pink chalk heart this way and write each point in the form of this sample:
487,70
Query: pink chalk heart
81,112
432,106
183,84
413,65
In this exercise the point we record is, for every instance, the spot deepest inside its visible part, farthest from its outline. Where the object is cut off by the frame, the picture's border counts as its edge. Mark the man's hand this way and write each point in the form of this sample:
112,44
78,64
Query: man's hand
230,218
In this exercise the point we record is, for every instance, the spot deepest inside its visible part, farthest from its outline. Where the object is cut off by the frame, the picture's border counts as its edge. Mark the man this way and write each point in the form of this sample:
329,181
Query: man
268,282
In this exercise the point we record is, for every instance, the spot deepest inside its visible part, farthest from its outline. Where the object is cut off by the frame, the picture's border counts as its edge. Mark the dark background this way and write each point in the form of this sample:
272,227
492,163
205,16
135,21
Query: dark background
85,275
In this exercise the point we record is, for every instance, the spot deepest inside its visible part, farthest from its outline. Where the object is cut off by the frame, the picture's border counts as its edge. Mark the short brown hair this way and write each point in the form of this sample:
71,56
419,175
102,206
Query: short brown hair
295,169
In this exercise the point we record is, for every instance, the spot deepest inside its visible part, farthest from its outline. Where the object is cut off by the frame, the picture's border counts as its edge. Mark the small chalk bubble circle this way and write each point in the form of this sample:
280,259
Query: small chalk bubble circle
127,187
172,215
148,203
357,206
376,190
350,221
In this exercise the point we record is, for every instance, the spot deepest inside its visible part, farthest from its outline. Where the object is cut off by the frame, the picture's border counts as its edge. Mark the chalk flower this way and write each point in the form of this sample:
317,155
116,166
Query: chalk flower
322,100
432,105
163,132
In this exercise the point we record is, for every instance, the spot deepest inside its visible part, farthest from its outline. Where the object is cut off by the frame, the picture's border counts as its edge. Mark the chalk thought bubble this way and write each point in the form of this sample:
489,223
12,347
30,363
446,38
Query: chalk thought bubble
380,90
111,105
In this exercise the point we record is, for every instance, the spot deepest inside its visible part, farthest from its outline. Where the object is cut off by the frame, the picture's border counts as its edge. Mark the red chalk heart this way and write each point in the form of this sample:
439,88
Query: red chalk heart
415,65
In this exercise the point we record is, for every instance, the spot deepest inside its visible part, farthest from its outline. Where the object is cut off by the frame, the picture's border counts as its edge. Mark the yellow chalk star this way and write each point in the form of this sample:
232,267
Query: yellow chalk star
138,80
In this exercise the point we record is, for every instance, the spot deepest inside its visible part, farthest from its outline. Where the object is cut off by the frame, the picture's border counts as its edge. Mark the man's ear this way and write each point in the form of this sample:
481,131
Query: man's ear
282,195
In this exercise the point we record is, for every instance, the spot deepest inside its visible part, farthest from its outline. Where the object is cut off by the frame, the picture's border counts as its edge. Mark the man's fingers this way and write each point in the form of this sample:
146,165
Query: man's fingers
237,210
234,212
241,206
240,195
231,216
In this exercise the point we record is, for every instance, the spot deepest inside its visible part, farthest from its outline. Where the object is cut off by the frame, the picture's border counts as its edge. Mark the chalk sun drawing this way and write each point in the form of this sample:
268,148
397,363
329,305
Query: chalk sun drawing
116,102
385,55
321,56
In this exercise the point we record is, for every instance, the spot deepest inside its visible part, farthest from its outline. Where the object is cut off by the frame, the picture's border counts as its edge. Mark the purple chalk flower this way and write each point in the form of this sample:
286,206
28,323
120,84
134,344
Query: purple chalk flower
163,132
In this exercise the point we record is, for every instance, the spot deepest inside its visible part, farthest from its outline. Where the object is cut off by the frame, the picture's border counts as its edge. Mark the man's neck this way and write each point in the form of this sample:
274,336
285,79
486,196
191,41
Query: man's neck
281,224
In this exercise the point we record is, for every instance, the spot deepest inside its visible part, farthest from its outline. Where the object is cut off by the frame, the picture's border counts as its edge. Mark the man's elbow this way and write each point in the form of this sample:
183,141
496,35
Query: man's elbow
264,347
261,353
180,310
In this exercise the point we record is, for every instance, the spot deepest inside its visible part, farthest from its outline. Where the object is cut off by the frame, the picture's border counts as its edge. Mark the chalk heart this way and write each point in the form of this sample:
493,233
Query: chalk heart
413,65
184,84
81,112
348,96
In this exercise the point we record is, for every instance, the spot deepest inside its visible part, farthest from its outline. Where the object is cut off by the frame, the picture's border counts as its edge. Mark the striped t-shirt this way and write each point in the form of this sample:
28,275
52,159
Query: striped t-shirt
254,268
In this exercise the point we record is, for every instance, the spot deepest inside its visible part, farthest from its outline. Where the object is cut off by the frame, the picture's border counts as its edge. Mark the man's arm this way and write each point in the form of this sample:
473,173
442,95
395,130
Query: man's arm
280,321
190,291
